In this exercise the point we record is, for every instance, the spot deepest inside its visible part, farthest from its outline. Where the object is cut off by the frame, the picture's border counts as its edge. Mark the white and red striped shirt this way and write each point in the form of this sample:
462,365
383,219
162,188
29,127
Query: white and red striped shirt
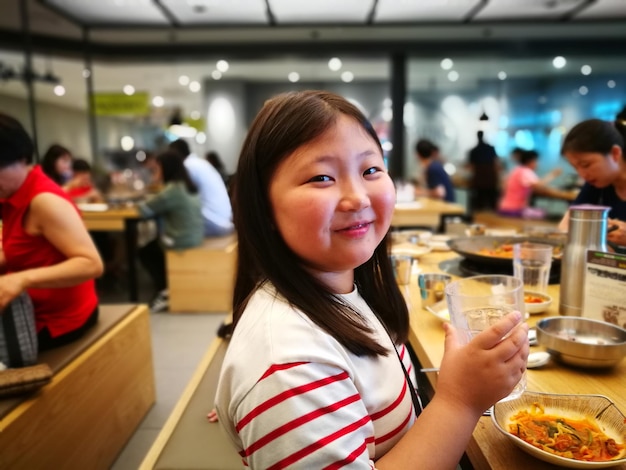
291,396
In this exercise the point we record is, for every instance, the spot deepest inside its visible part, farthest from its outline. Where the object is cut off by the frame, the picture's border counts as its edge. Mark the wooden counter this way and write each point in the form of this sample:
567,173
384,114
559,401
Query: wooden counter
488,448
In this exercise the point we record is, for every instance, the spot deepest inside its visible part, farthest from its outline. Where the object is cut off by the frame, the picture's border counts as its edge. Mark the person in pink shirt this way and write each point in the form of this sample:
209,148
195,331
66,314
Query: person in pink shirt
521,184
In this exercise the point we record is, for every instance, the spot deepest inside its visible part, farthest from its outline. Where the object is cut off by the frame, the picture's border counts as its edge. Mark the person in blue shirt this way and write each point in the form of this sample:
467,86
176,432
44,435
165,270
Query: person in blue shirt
595,149
438,182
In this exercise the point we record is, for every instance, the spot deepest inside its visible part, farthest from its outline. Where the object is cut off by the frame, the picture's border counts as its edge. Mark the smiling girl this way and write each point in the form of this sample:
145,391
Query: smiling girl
316,372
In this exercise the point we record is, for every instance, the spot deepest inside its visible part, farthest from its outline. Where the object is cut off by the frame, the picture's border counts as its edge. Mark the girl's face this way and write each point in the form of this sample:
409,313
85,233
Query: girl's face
332,202
63,165
595,168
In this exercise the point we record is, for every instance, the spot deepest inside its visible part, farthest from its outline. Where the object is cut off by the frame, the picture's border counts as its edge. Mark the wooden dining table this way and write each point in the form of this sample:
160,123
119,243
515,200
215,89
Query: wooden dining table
118,219
488,448
424,212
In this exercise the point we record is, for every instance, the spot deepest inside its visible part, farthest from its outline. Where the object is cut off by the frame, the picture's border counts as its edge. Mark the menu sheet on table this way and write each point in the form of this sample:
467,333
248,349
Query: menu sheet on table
605,287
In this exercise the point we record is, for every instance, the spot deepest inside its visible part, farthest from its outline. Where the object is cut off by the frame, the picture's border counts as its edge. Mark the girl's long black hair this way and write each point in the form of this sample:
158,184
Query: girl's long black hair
285,123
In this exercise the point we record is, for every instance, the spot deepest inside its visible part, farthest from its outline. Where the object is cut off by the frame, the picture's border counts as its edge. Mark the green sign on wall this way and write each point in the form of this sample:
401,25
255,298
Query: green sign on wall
115,104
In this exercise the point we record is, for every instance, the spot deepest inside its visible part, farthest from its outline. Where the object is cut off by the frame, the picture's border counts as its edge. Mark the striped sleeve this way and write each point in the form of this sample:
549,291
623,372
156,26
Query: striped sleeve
304,415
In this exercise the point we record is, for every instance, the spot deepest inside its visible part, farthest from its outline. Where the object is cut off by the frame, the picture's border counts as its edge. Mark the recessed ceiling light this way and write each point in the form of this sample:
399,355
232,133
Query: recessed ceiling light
611,83
216,74
585,69
59,90
127,143
293,77
222,66
347,76
583,90
559,62
453,75
334,64
195,86
447,64
183,80
129,90
502,75
158,101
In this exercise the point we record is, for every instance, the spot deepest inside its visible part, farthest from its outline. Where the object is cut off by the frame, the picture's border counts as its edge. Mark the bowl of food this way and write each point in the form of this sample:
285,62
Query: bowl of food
582,342
536,302
573,431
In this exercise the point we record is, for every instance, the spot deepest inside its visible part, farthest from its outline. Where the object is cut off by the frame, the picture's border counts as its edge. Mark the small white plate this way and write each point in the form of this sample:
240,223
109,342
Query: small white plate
440,310
410,249
92,206
537,359
537,307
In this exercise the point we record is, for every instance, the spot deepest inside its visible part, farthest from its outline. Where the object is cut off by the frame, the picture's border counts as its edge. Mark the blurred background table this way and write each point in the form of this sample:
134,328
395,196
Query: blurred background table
424,212
117,219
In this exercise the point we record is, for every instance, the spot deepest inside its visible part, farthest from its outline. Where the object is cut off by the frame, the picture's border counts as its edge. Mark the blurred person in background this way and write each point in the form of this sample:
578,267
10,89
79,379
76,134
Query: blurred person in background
522,183
438,182
46,249
214,159
80,186
484,166
216,208
57,164
178,208
595,149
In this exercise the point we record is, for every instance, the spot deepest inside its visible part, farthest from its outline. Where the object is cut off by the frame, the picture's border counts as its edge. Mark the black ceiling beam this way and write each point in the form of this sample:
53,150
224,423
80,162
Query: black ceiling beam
169,14
372,13
264,49
271,18
577,9
469,17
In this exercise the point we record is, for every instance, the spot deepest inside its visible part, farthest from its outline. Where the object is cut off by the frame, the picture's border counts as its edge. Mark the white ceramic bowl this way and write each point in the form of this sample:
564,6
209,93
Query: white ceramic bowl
609,418
537,307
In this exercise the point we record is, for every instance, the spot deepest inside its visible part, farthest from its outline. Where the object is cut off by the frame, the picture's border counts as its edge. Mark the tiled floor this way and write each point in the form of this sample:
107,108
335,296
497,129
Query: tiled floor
178,343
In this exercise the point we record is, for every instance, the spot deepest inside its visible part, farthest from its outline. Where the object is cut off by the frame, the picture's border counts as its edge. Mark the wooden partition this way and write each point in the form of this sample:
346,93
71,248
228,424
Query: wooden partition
201,279
83,418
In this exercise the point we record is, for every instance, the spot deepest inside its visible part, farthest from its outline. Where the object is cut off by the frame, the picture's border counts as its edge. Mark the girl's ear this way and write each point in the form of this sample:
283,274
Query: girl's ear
617,154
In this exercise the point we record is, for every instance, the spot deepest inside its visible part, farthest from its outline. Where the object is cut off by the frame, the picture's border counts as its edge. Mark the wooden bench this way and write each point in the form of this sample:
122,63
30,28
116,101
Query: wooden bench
201,279
103,385
188,440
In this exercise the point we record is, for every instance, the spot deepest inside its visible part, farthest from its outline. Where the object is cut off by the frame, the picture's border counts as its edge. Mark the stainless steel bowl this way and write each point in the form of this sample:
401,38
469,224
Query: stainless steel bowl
581,341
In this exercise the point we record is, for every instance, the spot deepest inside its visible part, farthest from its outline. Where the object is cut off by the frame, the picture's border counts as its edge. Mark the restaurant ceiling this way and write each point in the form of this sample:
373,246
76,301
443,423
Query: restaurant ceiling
150,43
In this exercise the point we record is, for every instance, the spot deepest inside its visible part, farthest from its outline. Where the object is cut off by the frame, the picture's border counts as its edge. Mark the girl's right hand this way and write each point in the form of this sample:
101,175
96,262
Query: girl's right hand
485,370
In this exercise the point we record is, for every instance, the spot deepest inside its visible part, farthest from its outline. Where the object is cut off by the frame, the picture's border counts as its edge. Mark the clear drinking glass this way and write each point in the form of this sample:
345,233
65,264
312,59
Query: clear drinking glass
402,265
531,264
475,303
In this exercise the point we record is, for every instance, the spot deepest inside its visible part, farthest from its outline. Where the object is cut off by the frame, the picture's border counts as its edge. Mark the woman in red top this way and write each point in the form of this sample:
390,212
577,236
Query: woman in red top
46,249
